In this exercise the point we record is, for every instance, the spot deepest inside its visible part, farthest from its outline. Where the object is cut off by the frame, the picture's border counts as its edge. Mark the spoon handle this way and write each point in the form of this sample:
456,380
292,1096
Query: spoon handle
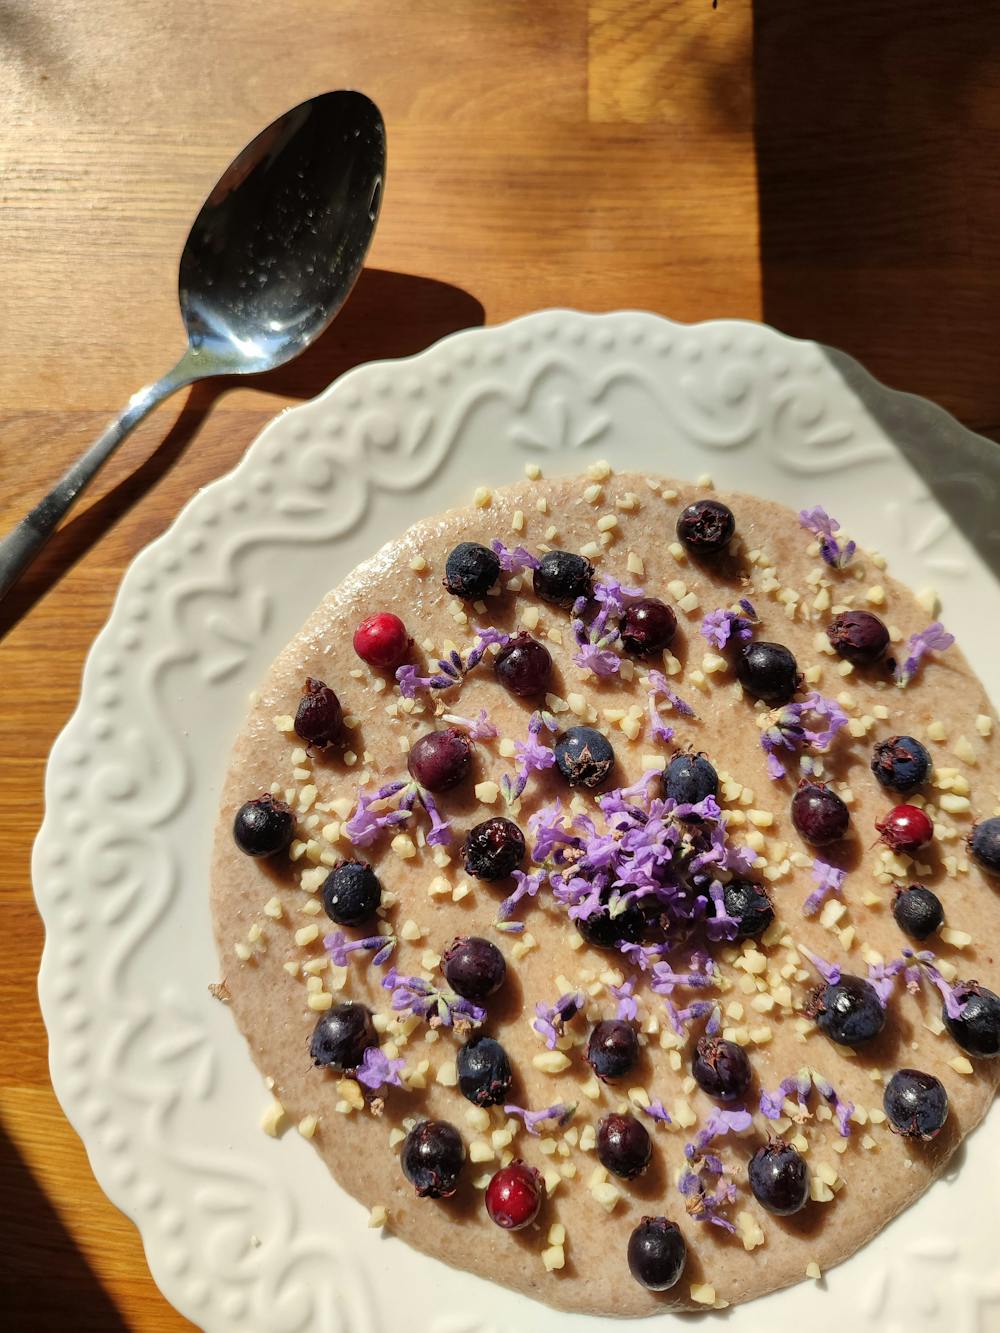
19,548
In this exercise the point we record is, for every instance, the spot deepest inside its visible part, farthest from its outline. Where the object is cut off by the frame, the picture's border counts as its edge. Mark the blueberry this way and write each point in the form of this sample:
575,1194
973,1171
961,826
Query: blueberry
721,1068
849,1011
319,718
916,1104
984,844
901,763
613,1048
648,626
263,827
819,815
918,911
473,967
523,666
484,1072
656,1253
471,570
342,1035
858,636
706,527
779,1178
750,905
623,1145
494,849
607,931
584,756
351,893
768,671
432,1158
977,1028
440,760
688,779
562,577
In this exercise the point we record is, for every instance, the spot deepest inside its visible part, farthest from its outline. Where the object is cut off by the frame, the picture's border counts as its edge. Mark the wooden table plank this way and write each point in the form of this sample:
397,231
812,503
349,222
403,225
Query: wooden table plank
827,166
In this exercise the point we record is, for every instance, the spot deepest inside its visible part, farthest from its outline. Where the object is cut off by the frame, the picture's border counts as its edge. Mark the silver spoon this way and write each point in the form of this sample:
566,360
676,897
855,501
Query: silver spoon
270,259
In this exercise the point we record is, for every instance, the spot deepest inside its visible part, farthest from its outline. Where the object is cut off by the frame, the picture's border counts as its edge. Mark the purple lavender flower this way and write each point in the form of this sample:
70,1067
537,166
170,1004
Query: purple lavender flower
819,522
514,561
772,1103
530,756
417,996
916,966
552,1019
828,971
478,729
787,730
340,948
377,1070
627,1009
718,627
559,1112
440,834
720,1123
598,659
932,639
610,593
829,879
485,638
365,824
527,886
842,1110
656,1111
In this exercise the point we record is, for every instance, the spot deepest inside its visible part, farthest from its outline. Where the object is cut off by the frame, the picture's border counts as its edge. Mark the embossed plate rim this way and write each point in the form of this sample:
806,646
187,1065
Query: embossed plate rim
449,367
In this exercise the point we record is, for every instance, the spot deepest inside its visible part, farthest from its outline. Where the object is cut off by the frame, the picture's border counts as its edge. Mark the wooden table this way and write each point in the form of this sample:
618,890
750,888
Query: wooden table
828,167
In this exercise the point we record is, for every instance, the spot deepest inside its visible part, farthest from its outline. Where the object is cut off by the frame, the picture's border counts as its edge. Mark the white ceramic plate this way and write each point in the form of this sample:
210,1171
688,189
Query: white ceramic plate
247,1233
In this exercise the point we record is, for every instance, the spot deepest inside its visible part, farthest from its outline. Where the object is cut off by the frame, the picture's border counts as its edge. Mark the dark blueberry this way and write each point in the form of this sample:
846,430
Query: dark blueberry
906,828
562,577
918,911
984,844
721,1068
779,1178
351,893
584,756
342,1035
849,1011
623,1145
432,1158
608,930
648,626
494,849
319,718
484,1072
859,636
706,527
977,1028
263,827
514,1196
613,1048
471,570
382,640
916,1104
688,779
768,671
523,666
819,815
656,1253
901,763
473,967
441,760
750,905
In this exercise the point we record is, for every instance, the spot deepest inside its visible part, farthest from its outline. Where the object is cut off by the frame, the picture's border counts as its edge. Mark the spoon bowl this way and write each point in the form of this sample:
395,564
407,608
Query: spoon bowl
271,257
282,238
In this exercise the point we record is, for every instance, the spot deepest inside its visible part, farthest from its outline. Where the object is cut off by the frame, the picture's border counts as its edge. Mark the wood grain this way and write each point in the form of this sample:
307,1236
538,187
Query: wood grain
828,167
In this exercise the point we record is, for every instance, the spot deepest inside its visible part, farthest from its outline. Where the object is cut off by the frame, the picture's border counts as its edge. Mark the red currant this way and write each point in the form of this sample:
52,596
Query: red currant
381,640
514,1196
906,828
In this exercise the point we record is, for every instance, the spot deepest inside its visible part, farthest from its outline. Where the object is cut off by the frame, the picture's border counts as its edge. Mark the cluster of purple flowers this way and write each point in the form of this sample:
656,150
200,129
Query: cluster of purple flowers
801,1085
819,522
599,643
530,756
916,967
788,730
656,683
933,639
414,995
393,804
718,627
451,670
704,1182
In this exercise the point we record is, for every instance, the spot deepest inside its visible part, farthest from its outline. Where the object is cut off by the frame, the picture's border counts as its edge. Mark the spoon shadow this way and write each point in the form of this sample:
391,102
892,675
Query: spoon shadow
389,315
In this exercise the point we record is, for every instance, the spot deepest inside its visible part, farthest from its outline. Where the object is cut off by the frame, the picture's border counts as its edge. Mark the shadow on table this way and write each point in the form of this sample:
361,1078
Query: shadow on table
45,1282
877,125
389,315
